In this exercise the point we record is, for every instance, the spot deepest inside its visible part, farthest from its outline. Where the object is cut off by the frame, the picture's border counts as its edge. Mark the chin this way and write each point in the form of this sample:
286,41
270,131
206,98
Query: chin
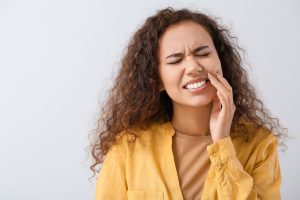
199,102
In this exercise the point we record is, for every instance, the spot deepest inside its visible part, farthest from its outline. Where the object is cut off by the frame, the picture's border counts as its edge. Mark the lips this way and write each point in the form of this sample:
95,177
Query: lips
195,81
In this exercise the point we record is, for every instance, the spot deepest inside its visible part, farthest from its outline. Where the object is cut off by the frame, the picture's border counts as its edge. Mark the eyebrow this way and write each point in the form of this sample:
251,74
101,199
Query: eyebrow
194,51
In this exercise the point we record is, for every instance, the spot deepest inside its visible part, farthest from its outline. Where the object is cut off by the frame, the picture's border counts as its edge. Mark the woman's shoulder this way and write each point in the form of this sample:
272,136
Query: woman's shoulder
256,134
146,136
260,140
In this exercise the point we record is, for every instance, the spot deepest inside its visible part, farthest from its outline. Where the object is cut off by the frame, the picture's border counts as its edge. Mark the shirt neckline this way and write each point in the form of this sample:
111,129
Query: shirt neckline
171,132
193,138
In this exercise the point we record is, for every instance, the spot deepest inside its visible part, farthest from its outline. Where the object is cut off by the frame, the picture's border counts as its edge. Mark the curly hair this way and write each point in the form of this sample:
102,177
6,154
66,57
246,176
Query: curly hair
135,101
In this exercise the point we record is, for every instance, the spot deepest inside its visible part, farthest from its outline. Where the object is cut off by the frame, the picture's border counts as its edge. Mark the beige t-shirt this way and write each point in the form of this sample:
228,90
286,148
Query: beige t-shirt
192,163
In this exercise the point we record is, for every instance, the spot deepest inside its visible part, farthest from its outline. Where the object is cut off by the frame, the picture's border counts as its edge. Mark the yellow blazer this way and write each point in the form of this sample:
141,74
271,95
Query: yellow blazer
146,170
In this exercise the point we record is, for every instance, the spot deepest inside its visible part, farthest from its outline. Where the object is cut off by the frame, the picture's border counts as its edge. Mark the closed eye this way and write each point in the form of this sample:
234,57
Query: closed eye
203,54
177,61
171,63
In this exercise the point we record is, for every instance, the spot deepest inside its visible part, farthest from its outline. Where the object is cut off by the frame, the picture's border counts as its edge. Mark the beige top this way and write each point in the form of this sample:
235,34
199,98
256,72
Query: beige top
192,163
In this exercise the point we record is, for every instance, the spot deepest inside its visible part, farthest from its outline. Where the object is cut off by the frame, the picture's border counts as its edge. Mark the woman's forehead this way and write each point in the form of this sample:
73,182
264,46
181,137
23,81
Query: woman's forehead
184,34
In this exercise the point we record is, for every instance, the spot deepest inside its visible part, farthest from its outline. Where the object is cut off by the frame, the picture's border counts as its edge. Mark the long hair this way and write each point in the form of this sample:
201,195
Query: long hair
134,100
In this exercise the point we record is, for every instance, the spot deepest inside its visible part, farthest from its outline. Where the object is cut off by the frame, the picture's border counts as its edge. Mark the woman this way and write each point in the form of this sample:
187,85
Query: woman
182,121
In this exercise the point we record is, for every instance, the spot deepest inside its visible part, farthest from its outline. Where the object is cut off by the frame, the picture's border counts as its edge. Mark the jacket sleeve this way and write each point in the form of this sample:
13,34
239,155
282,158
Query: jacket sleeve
235,183
111,182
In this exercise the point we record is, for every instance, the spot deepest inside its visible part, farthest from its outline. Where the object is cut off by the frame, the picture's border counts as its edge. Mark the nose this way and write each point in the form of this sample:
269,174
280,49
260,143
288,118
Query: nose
192,67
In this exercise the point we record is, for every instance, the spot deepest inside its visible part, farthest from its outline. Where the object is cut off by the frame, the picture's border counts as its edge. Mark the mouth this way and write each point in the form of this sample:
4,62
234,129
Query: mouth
197,85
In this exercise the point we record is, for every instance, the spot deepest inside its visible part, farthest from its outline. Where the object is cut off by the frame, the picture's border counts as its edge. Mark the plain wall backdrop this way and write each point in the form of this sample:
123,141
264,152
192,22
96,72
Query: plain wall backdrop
56,61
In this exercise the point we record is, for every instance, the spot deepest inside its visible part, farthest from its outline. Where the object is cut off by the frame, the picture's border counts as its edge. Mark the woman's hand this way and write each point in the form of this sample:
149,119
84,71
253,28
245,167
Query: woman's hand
223,108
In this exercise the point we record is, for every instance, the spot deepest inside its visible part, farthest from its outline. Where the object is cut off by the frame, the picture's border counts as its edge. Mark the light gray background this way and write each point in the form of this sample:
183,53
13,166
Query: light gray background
56,58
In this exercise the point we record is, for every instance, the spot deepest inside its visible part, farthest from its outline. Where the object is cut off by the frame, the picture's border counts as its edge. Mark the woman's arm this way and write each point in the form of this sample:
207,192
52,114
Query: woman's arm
235,183
111,183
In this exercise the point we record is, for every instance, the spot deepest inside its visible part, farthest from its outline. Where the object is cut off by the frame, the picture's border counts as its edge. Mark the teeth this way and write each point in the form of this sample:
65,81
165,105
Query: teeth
195,85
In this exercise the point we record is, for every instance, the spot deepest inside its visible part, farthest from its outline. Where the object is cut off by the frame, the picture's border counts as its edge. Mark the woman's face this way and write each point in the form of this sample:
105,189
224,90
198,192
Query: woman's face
183,49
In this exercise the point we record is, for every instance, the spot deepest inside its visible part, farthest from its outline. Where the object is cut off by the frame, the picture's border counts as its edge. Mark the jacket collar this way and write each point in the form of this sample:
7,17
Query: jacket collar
169,130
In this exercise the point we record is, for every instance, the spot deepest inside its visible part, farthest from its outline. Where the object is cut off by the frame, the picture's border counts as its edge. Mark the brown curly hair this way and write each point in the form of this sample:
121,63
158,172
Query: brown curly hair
135,101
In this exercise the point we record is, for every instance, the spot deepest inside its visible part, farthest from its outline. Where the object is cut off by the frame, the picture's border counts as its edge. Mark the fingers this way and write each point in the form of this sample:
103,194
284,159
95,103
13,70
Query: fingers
216,104
215,81
224,82
224,91
228,86
220,89
223,101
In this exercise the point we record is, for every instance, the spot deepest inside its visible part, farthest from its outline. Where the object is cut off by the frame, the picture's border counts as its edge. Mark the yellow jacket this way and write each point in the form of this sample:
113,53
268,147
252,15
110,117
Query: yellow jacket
146,170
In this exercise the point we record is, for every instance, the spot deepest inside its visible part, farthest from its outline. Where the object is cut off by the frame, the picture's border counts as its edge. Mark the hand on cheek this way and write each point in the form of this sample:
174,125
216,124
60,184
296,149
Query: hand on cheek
223,108
216,104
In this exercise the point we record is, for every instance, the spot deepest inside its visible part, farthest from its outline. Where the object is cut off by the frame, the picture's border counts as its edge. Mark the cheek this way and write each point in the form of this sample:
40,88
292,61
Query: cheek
218,64
219,68
214,65
168,76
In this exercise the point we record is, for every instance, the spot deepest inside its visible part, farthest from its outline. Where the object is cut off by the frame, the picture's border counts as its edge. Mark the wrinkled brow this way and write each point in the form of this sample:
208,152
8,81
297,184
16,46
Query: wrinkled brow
197,49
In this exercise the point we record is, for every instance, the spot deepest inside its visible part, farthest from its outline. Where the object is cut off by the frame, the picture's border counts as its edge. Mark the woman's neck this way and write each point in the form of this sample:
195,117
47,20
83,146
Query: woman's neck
191,120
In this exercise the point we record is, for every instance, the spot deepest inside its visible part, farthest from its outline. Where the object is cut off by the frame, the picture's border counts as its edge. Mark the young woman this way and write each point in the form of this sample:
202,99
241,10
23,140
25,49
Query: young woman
182,120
